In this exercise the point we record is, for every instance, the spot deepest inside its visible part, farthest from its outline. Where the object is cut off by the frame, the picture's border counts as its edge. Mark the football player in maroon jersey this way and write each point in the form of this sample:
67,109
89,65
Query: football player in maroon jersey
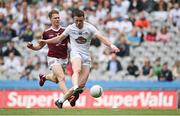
57,55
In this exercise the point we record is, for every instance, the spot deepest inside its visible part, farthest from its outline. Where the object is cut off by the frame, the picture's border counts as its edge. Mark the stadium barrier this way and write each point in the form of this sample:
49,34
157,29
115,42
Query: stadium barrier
145,85
178,99
109,99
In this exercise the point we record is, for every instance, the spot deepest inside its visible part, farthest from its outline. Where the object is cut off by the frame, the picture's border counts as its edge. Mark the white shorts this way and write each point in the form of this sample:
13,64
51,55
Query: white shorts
86,59
54,61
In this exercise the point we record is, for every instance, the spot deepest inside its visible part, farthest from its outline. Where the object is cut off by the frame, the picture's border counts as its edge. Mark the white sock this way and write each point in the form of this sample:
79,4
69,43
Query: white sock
61,99
75,87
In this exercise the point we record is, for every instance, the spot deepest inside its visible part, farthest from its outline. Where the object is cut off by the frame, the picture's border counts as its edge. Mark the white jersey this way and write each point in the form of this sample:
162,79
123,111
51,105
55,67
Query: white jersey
80,39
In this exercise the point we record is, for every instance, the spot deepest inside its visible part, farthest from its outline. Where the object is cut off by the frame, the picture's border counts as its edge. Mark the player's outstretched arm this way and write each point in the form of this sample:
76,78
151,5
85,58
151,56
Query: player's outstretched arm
35,47
54,40
107,42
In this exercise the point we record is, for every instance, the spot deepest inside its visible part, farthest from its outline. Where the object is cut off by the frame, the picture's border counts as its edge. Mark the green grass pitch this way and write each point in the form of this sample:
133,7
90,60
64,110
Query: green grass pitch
90,112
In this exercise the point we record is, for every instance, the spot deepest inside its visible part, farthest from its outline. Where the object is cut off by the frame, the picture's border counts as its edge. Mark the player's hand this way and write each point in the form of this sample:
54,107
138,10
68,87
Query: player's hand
30,45
114,48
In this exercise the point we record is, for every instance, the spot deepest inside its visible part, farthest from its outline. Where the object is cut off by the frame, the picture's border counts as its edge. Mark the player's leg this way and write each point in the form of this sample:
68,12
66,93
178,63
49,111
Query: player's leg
84,76
58,71
76,67
59,74
67,95
81,83
86,64
50,77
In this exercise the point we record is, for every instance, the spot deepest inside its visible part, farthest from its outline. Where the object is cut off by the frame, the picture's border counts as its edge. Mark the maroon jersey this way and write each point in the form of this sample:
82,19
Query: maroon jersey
58,50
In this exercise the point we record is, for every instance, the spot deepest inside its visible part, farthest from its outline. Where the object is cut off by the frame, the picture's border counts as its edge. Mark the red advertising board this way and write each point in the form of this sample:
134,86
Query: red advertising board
1,99
109,99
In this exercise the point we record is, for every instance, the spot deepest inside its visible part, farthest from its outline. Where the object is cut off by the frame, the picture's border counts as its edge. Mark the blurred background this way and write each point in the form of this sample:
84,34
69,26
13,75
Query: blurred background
146,31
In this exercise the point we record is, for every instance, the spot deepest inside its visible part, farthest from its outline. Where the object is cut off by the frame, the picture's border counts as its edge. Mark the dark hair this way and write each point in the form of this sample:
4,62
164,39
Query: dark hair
78,13
52,12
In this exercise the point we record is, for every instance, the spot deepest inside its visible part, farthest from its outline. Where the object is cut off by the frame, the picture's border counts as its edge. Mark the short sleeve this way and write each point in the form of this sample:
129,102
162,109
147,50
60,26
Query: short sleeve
93,29
44,36
67,31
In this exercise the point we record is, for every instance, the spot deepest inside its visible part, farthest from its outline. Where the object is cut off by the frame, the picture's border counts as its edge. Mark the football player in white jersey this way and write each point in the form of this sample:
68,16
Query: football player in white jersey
81,34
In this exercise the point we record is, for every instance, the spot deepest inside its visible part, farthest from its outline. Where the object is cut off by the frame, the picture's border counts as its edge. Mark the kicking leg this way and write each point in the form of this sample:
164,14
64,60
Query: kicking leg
81,83
76,66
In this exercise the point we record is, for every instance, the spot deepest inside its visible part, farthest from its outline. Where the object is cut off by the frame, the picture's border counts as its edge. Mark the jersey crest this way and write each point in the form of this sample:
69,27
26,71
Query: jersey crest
81,40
